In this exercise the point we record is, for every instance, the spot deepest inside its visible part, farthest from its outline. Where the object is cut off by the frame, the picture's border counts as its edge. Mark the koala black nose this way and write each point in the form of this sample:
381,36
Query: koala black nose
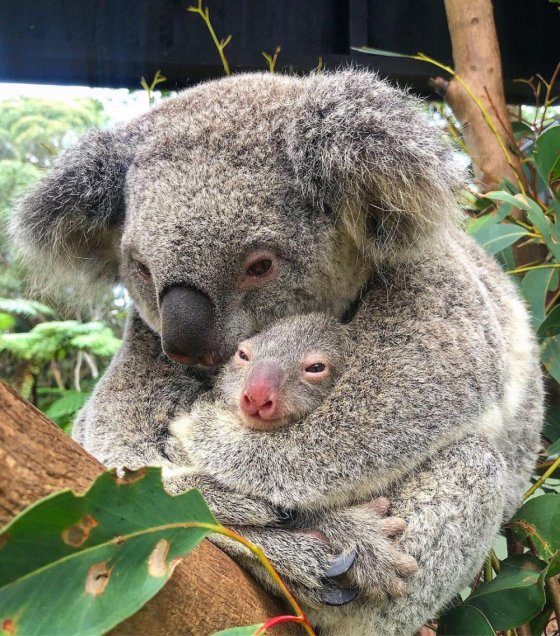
187,321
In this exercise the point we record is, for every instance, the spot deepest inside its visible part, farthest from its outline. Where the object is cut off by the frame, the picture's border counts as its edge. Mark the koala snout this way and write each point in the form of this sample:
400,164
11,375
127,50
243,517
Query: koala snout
187,324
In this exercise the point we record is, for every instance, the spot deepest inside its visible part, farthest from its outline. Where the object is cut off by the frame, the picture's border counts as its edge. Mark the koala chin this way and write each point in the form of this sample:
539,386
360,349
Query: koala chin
247,200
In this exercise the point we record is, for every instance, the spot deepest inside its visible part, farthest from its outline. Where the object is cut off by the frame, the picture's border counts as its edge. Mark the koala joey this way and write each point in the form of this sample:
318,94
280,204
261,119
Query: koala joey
279,375
275,379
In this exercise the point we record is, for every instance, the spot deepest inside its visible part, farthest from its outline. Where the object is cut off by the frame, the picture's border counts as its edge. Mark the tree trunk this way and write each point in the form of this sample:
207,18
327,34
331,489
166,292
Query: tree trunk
207,591
476,58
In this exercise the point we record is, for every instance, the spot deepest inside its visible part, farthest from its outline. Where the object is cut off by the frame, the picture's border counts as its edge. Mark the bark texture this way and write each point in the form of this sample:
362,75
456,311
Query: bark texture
207,591
476,58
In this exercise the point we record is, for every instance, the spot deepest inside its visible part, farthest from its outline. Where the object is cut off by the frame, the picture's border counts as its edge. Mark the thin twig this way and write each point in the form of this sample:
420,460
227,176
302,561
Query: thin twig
204,13
553,586
519,270
540,481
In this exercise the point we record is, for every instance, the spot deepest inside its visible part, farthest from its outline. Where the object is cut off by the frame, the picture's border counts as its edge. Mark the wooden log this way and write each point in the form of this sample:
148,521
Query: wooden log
207,591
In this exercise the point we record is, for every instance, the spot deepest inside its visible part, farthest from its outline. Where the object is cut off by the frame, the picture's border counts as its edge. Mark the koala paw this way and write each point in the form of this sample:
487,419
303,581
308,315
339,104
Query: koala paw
381,569
304,560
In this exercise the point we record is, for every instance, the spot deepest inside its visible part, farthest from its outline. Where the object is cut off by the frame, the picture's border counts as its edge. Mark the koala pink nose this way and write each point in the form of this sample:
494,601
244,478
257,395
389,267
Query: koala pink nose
259,399
260,396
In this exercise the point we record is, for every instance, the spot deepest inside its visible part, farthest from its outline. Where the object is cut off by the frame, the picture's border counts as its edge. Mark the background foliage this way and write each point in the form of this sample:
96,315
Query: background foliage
52,362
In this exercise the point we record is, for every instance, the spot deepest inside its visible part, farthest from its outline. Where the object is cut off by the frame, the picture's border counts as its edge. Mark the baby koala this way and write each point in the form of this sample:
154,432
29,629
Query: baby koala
248,446
276,377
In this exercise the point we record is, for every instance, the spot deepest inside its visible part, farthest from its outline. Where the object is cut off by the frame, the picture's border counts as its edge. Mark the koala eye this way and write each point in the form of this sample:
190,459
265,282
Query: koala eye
315,368
315,371
259,268
243,355
143,270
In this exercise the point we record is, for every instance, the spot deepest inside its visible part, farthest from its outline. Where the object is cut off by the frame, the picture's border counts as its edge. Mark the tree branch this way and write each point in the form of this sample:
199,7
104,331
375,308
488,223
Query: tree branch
207,591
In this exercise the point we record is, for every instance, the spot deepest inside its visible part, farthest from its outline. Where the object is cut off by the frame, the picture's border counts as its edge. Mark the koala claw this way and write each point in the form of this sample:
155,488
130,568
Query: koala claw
340,596
341,565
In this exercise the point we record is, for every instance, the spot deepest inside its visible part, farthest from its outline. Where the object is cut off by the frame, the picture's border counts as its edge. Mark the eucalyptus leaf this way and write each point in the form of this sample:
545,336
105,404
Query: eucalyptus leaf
515,596
520,130
371,51
534,287
536,216
464,620
477,227
550,326
539,519
550,356
496,237
66,560
514,200
547,153
551,428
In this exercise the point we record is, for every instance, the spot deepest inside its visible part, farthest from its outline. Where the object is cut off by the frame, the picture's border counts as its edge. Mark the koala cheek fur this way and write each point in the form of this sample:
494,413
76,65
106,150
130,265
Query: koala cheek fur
342,179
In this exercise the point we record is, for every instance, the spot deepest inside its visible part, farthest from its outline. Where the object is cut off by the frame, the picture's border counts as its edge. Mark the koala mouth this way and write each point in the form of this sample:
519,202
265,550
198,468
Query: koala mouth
207,360
258,423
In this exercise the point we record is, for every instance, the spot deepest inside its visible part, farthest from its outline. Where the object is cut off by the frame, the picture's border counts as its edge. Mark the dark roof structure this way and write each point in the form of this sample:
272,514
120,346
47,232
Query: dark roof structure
113,43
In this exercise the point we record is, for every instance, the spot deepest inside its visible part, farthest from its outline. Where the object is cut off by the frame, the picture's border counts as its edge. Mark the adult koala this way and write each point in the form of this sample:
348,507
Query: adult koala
256,197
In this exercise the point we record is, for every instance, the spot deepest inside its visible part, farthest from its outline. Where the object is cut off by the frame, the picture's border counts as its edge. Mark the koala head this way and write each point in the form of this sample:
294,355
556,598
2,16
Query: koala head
283,373
241,201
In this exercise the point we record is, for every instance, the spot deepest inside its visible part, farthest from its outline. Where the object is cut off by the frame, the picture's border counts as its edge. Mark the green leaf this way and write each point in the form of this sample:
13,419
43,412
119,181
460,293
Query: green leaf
477,227
25,308
371,51
534,287
550,356
496,237
520,130
248,630
514,596
547,153
102,343
553,568
538,624
539,518
464,620
66,559
550,232
550,326
506,197
535,215
551,428
554,449
6,321
67,405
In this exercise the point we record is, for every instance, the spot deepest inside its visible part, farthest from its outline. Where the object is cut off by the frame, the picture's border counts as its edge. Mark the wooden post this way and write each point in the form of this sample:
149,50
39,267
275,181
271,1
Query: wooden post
207,591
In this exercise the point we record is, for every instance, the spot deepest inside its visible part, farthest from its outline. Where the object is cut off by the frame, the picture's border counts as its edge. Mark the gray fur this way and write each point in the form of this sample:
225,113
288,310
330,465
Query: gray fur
342,177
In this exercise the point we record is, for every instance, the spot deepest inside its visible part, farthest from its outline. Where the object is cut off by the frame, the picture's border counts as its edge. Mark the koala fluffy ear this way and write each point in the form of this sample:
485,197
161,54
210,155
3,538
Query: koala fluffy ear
68,224
364,149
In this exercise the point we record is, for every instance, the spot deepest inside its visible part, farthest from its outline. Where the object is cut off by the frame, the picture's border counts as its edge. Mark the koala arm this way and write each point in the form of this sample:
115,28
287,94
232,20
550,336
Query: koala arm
452,506
430,365
125,421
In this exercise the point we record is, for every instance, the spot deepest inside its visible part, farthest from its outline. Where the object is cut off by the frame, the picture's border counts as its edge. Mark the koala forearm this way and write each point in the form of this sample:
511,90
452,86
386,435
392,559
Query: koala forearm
453,510
125,421
229,507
